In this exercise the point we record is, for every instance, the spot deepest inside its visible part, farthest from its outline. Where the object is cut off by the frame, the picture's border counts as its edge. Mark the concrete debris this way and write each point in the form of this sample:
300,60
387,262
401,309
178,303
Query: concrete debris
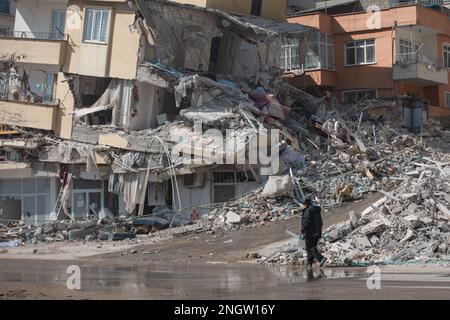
232,218
398,229
278,186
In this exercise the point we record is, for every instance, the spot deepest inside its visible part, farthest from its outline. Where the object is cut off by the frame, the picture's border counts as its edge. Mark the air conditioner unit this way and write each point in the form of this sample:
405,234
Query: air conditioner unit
194,180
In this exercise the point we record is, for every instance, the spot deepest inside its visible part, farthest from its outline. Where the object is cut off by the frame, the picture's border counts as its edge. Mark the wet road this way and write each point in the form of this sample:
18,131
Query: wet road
24,279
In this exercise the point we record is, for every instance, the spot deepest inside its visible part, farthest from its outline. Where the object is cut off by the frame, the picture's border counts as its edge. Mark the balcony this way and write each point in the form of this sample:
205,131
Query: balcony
35,47
30,110
27,114
420,69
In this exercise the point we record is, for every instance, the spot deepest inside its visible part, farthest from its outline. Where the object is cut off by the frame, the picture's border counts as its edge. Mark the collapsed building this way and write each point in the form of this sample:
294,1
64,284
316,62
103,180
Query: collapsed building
102,133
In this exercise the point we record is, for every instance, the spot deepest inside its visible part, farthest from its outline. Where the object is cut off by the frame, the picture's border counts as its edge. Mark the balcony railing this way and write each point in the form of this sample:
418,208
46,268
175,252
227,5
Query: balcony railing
33,35
435,4
428,71
406,59
425,3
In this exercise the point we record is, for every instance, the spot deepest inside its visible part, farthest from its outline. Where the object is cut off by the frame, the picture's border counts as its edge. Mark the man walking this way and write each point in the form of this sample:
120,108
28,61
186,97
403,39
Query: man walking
312,232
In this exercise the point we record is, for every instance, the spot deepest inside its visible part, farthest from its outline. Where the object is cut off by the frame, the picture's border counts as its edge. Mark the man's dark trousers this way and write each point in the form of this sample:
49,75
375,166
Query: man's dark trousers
311,249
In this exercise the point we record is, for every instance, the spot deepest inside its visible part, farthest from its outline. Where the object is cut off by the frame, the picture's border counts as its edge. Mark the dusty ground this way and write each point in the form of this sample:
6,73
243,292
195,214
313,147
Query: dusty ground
204,266
231,246
223,246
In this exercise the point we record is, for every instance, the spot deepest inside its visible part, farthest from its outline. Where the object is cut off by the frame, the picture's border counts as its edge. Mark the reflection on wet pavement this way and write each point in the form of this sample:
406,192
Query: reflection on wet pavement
176,280
180,281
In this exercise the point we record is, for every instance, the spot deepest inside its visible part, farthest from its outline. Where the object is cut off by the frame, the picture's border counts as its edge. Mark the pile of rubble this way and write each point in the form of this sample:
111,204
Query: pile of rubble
251,211
97,228
409,224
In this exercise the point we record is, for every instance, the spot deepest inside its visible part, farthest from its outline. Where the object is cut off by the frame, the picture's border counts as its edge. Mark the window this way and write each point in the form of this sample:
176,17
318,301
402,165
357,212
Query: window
58,24
446,55
96,25
256,7
319,53
34,194
289,55
358,95
447,99
226,184
360,52
407,51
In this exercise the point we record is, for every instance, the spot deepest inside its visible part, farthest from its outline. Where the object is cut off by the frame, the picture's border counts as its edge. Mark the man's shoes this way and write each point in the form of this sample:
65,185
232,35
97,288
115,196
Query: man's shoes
322,262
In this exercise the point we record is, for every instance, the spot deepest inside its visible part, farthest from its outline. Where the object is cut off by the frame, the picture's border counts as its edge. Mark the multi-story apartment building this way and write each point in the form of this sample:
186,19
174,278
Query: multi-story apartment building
401,50
94,78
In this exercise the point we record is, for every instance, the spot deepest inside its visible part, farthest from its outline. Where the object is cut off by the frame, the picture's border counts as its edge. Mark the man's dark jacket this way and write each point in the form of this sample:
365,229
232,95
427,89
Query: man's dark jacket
312,222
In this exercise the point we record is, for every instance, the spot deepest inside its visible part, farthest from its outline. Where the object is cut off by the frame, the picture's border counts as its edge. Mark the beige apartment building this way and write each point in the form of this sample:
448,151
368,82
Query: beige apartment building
92,79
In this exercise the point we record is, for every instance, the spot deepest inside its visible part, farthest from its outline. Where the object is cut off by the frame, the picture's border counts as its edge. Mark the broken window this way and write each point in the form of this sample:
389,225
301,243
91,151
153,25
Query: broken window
96,25
360,52
358,95
91,90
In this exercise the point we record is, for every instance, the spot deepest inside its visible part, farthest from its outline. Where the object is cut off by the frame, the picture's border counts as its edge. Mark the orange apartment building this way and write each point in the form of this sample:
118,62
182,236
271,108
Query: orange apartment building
408,55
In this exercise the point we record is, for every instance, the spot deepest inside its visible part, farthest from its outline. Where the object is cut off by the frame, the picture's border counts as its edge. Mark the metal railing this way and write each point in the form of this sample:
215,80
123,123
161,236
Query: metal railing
425,3
435,4
406,59
33,35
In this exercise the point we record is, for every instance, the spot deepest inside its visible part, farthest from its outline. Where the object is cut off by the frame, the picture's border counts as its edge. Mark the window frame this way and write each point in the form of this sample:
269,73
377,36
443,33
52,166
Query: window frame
53,34
328,44
365,52
447,93
446,47
101,9
235,183
357,90
286,55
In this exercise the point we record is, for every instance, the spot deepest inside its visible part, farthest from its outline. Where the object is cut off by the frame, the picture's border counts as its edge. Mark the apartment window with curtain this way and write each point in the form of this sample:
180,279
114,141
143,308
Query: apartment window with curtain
360,52
96,25
446,55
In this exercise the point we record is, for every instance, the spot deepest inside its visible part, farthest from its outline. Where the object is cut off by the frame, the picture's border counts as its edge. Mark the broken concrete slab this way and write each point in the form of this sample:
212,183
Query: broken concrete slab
278,186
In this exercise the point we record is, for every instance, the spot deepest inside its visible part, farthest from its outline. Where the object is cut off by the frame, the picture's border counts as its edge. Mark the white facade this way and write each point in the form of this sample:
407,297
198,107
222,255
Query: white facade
35,17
